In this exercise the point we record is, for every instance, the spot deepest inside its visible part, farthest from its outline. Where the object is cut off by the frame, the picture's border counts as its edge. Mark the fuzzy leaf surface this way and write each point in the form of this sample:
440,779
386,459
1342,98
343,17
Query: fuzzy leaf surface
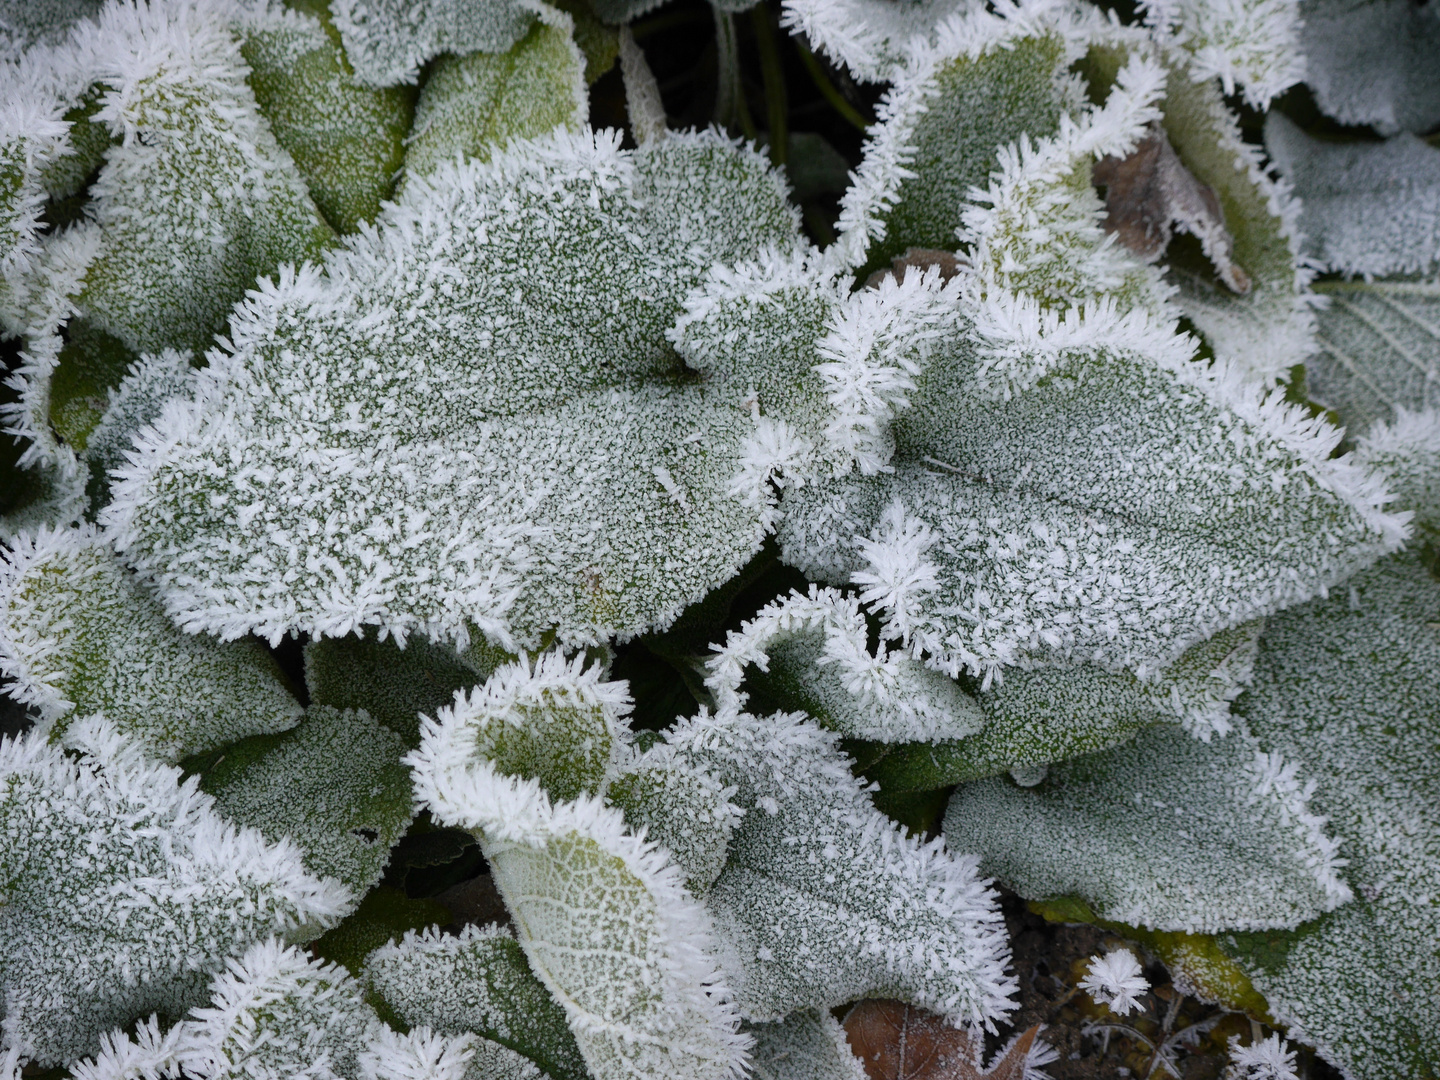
124,891
492,444
79,635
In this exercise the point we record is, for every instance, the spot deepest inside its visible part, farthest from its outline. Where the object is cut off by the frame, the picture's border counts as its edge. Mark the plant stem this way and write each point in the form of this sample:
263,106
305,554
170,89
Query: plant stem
827,89
774,81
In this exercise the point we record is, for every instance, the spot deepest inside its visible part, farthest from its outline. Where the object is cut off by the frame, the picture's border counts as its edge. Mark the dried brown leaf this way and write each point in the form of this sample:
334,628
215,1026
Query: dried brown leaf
1150,195
922,259
896,1041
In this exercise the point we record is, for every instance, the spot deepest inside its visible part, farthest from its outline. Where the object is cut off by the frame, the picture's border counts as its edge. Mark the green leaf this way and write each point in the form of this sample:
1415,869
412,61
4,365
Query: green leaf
603,485
387,41
1052,713
122,891
1229,840
479,982
806,1045
384,915
80,635
334,785
394,685
1269,328
474,104
944,120
347,140
168,195
1345,688
823,900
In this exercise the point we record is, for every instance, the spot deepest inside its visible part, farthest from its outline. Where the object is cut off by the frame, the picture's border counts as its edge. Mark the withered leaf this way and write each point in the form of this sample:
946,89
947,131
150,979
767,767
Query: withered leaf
1150,195
896,1041
921,259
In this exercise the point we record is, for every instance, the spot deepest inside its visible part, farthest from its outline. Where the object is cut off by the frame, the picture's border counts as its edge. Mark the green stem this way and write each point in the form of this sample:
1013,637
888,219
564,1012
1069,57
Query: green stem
730,105
827,89
774,81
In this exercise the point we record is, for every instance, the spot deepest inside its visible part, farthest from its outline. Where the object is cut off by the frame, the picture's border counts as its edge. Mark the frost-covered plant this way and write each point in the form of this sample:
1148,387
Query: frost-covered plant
1092,419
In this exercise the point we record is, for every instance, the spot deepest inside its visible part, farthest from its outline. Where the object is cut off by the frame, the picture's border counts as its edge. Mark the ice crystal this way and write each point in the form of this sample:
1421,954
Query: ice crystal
125,891
479,983
1373,64
1234,842
1268,1059
823,899
1249,45
333,786
467,483
79,635
1369,208
1115,980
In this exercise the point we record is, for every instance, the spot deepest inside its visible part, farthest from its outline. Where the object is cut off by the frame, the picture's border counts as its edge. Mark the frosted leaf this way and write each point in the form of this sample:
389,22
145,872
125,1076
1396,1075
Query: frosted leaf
333,786
1068,263
824,899
1058,711
472,104
873,38
347,140
973,545
138,399
810,653
478,982
1249,45
984,81
1150,197
1268,1059
32,139
387,41
125,891
24,23
1373,63
275,1014
1369,208
557,722
683,809
422,1055
43,497
603,917
1270,328
197,181
394,685
519,459
1116,981
827,368
1345,688
1379,350
79,635
1407,453
806,1045
1231,840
